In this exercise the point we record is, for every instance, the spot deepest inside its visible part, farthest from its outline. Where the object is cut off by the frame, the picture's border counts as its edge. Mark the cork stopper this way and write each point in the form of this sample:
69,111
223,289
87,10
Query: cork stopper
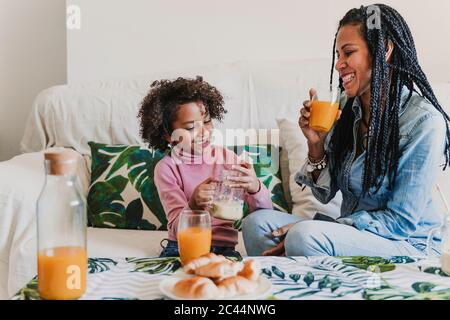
61,162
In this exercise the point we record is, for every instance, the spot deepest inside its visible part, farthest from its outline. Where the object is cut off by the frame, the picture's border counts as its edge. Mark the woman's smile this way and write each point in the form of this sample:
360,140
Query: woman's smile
347,79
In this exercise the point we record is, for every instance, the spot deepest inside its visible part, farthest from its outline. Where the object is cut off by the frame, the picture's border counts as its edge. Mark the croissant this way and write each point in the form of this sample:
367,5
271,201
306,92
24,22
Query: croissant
198,288
236,285
251,270
202,261
219,270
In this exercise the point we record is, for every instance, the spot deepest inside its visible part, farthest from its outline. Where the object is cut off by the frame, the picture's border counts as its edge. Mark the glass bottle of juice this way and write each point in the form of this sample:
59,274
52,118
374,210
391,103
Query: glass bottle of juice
61,230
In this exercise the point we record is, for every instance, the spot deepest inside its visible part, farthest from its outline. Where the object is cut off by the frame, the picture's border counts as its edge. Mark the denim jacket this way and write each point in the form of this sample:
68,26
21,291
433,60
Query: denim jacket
405,212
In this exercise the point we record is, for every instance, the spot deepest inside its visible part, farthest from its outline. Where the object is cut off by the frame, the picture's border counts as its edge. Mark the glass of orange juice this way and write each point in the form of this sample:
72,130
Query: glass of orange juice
194,234
324,108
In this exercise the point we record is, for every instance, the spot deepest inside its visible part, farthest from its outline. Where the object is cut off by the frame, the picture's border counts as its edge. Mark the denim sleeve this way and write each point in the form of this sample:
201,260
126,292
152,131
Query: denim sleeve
324,189
418,167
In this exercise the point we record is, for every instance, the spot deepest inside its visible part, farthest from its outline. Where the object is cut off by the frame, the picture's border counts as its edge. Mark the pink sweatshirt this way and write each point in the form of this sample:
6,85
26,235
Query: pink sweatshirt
177,180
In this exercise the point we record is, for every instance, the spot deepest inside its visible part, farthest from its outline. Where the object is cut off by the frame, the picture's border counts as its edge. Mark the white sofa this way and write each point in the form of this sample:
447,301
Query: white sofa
256,94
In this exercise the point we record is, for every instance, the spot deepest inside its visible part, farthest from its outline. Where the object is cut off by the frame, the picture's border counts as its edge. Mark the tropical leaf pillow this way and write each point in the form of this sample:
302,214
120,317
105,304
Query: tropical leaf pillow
123,194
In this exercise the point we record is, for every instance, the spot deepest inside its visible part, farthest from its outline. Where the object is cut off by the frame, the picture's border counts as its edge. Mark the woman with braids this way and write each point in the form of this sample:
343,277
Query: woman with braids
383,153
176,117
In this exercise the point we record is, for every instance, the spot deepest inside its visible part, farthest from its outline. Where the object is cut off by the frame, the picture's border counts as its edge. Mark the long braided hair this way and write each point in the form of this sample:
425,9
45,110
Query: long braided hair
387,82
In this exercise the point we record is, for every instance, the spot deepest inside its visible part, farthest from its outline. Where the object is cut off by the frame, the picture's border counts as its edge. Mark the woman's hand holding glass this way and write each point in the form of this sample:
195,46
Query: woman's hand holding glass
315,138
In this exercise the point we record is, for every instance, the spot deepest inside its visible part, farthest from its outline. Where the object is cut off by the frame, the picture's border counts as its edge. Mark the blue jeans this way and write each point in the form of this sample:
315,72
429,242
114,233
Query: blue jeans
171,250
317,238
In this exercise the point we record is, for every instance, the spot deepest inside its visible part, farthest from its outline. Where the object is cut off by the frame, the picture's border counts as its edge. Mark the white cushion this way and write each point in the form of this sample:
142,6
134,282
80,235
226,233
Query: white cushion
303,201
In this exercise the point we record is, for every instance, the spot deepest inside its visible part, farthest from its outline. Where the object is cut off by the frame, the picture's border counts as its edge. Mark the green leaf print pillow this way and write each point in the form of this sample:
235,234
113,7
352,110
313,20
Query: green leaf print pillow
123,194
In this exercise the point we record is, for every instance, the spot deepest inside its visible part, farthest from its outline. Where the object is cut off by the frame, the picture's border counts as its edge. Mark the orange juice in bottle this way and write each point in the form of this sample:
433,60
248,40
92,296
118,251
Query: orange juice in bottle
61,224
62,273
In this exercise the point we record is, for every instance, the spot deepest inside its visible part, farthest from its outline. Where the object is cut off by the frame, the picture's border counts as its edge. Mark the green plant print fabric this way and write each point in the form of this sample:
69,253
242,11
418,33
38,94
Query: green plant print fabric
375,263
98,265
292,278
123,194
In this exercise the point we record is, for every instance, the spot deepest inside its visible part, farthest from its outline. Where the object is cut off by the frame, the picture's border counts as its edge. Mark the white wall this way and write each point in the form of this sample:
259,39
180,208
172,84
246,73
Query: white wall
32,58
121,38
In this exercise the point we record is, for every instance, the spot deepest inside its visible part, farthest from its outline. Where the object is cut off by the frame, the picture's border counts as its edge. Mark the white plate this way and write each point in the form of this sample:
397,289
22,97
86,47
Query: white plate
262,291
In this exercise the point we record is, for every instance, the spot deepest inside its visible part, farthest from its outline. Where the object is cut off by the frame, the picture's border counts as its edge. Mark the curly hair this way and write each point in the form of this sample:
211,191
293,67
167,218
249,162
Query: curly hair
159,108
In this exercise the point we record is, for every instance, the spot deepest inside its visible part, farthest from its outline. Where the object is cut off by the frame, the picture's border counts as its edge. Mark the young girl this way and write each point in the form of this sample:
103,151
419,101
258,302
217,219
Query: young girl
176,116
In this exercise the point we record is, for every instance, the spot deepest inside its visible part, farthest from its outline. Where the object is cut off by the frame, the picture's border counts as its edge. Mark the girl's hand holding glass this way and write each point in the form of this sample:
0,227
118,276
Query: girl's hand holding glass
246,179
203,194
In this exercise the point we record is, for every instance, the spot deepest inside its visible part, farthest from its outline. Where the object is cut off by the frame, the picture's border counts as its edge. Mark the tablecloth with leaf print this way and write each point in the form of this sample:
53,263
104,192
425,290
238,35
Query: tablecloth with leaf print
370,278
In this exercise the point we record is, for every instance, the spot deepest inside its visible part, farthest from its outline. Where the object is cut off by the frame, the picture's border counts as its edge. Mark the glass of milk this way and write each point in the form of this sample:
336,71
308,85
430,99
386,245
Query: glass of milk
228,203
